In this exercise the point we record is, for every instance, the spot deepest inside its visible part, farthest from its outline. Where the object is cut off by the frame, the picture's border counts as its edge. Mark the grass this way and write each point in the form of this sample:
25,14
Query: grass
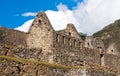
35,62
59,66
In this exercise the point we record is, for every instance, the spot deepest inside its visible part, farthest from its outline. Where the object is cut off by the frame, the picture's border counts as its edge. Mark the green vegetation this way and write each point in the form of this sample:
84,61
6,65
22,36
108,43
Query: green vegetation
94,67
110,34
82,35
35,62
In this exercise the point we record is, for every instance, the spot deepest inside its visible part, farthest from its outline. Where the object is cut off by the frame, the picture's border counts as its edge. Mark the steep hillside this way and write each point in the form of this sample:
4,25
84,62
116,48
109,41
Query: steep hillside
111,36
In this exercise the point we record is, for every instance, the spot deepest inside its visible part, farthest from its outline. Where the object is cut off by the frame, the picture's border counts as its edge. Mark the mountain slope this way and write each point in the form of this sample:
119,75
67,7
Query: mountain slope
111,36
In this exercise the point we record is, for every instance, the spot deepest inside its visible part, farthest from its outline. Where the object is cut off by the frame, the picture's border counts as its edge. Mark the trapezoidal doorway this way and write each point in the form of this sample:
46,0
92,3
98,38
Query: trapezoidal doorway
102,63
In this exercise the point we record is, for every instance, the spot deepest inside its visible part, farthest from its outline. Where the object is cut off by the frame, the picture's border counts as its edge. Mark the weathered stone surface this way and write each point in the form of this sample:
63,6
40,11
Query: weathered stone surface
43,43
12,37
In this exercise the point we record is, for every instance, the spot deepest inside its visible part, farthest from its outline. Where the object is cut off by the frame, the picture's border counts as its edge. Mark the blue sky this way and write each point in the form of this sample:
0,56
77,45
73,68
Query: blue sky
11,10
88,16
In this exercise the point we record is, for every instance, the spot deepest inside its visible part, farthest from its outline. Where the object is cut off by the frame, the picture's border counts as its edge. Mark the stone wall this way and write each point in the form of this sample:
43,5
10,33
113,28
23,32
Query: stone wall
112,61
14,68
71,31
11,68
92,72
94,43
69,51
12,37
40,35
64,47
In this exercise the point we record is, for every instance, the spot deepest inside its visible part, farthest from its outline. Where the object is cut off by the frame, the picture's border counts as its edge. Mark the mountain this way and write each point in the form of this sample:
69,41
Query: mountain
111,37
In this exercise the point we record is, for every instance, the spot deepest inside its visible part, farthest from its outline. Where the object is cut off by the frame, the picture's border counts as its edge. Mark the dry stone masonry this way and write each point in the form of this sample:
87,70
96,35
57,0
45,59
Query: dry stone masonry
64,47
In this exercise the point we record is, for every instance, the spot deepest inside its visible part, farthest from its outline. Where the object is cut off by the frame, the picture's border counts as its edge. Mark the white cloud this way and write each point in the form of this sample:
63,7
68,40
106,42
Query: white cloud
25,27
29,14
61,18
88,16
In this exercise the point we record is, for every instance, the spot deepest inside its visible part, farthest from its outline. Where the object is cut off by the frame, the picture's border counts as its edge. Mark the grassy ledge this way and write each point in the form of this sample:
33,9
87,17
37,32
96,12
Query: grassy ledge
22,60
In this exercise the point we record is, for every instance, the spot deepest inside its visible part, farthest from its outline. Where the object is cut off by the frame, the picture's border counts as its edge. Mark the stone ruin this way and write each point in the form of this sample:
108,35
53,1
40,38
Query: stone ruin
64,47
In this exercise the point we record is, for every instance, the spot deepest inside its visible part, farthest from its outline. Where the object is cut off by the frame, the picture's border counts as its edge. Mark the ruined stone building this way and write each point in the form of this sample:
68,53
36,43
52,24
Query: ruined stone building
64,47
